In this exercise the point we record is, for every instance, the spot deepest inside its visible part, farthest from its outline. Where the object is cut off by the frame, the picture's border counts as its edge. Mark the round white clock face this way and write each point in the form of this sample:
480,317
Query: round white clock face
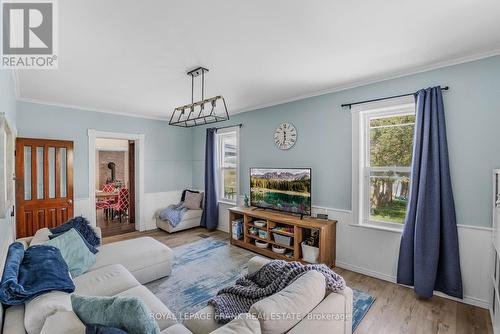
285,136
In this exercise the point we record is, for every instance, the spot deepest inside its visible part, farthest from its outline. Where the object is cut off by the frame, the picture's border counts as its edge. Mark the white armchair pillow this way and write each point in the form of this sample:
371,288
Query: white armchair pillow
280,312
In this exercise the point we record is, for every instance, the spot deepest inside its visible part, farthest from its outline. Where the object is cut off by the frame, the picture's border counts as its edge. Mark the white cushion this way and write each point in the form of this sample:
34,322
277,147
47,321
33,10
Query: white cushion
192,213
192,201
280,312
337,307
41,236
203,321
176,329
135,255
14,320
105,281
40,308
163,316
63,322
257,262
183,225
25,241
244,324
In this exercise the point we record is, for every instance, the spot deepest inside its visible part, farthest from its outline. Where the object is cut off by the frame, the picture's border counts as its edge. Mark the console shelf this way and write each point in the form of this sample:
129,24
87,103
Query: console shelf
301,229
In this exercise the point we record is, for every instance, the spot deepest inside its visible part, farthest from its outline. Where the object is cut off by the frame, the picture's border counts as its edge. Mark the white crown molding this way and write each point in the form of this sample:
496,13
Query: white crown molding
376,79
84,108
338,88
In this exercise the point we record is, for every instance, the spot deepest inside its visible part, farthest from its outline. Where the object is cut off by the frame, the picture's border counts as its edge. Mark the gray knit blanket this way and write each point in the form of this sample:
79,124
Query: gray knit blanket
173,214
268,280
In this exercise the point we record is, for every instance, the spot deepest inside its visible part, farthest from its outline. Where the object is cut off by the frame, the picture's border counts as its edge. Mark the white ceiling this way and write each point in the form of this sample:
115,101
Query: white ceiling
131,56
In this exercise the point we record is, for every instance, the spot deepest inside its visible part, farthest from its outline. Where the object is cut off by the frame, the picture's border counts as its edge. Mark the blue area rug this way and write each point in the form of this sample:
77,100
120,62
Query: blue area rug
361,303
199,271
203,267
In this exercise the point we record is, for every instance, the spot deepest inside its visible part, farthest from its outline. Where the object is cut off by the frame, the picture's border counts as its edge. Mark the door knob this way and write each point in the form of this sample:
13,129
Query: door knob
70,201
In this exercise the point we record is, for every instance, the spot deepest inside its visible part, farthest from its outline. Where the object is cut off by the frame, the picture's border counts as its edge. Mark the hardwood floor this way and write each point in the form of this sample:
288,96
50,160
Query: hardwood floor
171,240
113,227
396,309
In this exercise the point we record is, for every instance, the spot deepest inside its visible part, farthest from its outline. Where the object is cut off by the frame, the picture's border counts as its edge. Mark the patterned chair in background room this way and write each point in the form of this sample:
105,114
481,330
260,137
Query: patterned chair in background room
104,205
123,203
108,188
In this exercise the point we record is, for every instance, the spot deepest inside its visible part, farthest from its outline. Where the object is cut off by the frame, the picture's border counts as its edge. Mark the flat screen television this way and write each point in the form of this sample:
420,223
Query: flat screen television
282,189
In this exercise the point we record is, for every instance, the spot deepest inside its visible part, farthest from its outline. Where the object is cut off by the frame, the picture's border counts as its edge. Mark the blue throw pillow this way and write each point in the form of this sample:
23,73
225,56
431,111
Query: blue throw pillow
83,226
27,274
89,246
100,329
78,257
127,313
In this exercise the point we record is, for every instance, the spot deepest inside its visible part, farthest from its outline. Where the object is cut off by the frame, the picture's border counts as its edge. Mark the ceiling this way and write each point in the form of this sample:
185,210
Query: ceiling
131,57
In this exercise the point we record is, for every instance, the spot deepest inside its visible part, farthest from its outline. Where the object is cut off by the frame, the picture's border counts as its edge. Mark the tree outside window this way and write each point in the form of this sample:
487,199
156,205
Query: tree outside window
389,153
228,164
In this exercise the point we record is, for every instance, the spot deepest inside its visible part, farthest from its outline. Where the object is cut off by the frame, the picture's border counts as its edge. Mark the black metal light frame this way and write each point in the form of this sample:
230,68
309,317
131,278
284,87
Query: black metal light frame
198,118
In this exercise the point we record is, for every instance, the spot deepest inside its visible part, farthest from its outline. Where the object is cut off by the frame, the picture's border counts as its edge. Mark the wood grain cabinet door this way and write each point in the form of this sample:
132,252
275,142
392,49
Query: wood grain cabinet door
44,184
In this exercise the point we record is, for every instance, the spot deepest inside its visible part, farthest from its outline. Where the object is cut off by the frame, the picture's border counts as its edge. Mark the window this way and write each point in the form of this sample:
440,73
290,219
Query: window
383,153
227,150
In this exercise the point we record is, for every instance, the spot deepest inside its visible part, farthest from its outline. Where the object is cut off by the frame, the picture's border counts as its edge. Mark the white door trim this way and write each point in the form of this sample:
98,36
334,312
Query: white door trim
139,172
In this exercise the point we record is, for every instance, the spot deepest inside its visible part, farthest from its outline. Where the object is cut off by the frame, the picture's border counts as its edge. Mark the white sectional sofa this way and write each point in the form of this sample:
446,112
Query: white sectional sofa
120,269
319,313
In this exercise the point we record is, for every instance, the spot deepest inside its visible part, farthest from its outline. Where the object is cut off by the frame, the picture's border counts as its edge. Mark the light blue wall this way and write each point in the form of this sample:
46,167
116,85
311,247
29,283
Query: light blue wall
472,108
167,155
8,97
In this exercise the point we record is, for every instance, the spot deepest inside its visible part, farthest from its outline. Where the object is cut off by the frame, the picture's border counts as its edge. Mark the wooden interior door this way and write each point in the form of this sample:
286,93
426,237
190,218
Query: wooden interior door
44,184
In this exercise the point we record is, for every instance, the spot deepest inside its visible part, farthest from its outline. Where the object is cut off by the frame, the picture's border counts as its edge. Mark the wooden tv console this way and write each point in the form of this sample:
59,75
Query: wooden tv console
301,229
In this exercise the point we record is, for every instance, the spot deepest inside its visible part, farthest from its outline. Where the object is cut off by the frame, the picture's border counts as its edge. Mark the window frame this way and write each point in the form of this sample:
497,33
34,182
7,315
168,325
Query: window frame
361,116
7,167
221,133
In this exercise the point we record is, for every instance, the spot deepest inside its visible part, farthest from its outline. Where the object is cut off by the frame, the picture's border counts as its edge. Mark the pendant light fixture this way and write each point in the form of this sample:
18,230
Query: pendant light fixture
205,111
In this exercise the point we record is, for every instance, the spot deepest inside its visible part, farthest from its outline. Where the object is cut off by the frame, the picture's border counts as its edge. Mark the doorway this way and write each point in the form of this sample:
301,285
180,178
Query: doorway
115,186
44,184
115,181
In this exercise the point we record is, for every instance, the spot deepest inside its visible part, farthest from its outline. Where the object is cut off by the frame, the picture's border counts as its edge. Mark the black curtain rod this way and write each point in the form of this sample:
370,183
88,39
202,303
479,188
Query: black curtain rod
384,98
230,126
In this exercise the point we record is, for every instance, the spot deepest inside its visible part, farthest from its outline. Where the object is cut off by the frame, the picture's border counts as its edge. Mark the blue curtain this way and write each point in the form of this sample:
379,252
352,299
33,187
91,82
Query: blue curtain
210,217
428,256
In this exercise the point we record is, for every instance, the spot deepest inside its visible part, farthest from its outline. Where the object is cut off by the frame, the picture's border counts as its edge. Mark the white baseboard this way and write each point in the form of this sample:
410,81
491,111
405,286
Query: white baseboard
384,277
366,272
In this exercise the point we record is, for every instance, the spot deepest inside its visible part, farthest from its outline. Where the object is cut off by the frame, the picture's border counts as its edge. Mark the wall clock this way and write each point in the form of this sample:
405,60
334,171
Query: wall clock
285,136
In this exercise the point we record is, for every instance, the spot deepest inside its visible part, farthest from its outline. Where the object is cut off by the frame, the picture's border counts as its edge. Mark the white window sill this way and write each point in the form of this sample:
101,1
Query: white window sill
379,228
225,201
